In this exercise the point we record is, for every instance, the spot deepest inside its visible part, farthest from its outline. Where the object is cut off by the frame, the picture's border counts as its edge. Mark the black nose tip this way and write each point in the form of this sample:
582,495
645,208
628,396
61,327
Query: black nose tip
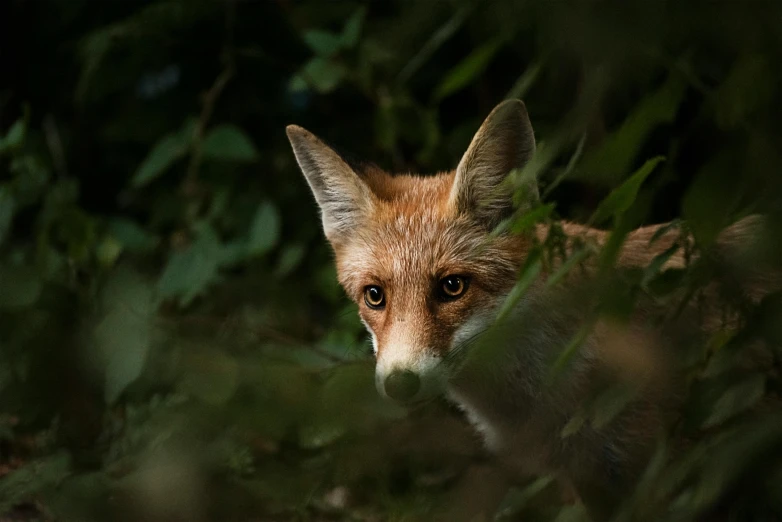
402,385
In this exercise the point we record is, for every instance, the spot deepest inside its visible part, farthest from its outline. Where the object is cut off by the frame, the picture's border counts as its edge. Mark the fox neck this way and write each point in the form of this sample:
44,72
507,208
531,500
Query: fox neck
504,380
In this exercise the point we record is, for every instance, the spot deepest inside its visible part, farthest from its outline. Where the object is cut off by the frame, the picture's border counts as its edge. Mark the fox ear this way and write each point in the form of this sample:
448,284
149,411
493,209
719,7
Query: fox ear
504,142
342,196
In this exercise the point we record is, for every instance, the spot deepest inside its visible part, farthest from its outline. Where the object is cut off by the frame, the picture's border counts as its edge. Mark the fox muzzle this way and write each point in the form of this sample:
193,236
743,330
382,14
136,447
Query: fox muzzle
402,385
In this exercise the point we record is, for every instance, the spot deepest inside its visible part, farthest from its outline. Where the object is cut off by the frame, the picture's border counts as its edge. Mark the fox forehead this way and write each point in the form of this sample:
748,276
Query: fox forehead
414,236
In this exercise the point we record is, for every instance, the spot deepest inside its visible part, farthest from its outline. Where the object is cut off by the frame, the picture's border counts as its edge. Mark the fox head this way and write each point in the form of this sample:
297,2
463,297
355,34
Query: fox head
417,253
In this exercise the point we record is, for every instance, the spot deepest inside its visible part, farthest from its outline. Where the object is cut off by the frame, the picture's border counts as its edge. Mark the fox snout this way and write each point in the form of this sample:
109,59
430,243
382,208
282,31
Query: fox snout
402,385
408,376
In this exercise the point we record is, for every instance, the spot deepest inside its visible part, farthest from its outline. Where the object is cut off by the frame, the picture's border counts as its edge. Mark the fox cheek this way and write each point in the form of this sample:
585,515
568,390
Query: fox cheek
371,335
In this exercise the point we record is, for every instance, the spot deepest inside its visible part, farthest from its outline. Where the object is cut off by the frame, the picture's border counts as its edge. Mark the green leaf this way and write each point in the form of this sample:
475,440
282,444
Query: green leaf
532,267
651,271
123,335
352,29
386,134
517,499
572,348
748,88
324,43
573,426
574,513
615,157
620,199
467,70
528,220
7,208
23,484
108,251
290,258
320,74
265,229
14,137
190,272
736,399
164,154
564,269
229,143
435,42
713,199
326,283
611,403
132,237
211,377
20,285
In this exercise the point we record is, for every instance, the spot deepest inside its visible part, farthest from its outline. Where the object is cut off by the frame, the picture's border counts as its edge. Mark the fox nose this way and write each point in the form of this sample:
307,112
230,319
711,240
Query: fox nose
402,385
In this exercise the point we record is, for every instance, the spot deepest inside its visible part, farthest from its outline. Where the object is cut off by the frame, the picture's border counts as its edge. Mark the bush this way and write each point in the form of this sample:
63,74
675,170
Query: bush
174,343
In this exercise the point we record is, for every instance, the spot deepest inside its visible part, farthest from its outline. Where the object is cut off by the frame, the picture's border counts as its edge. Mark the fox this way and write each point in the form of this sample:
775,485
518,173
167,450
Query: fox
425,259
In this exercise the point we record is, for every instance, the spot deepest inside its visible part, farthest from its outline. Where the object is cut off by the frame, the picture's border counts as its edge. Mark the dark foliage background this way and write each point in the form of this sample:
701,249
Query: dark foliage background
173,342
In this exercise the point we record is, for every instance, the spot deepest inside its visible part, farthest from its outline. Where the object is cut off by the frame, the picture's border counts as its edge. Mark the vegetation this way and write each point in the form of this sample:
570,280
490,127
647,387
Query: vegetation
173,341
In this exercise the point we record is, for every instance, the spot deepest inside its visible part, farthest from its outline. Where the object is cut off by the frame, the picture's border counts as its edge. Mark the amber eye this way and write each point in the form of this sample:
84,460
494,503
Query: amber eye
374,297
453,286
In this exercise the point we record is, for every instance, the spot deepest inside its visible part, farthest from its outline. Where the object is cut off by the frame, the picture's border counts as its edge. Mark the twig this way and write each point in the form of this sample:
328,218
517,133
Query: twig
190,183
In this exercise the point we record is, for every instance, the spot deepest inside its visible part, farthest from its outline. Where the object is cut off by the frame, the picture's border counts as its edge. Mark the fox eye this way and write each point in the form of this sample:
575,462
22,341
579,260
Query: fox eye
374,297
453,286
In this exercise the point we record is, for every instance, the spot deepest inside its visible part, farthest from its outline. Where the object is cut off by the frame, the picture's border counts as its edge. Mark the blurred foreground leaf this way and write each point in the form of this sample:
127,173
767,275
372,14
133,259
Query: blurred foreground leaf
123,335
36,475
